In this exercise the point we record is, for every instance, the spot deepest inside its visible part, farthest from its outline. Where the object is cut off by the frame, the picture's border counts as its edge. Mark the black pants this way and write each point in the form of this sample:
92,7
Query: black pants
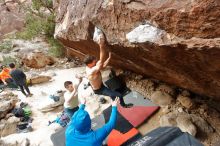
10,83
24,86
108,92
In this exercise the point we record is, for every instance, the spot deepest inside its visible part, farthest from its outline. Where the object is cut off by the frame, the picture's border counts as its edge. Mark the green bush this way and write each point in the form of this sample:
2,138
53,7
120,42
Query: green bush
36,26
7,60
6,45
42,24
56,48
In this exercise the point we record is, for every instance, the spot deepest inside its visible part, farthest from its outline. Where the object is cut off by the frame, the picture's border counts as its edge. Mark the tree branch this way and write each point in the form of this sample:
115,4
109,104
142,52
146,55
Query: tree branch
46,6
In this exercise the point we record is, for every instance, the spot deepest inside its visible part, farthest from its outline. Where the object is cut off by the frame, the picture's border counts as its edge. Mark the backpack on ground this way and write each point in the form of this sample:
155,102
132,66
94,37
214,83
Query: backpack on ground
63,120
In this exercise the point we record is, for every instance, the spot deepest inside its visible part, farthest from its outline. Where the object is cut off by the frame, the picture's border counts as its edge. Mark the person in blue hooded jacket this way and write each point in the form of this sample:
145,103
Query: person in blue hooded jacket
79,132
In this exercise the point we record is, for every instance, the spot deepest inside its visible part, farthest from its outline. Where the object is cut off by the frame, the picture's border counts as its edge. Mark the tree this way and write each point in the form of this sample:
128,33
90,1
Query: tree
40,21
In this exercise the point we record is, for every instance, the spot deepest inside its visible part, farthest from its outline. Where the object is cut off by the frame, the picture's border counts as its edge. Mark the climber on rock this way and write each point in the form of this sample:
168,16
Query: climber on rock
93,72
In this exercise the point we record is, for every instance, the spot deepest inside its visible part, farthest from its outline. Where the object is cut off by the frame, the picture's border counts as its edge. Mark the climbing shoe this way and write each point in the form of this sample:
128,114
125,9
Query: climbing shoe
129,105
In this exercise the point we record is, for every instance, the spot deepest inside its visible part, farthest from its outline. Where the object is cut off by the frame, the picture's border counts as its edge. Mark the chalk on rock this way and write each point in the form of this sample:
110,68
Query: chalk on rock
145,33
97,34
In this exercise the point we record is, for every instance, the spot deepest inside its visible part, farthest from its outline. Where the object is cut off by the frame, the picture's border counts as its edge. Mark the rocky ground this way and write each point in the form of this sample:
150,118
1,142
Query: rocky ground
41,101
192,113
47,79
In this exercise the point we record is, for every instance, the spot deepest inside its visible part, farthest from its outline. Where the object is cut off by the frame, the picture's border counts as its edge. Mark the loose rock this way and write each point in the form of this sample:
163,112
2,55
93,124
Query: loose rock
201,124
167,89
9,126
185,124
185,101
161,98
168,120
37,60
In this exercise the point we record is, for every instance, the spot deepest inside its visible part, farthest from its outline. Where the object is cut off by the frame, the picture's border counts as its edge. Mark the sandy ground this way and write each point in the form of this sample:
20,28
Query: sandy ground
40,136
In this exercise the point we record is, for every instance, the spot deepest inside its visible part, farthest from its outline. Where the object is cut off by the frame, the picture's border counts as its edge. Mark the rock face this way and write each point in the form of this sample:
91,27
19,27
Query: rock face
9,126
11,19
37,60
176,42
161,98
183,121
40,79
7,103
185,124
185,101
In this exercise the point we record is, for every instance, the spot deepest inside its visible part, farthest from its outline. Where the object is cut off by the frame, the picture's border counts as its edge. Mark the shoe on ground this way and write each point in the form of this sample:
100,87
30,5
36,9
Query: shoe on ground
24,128
30,95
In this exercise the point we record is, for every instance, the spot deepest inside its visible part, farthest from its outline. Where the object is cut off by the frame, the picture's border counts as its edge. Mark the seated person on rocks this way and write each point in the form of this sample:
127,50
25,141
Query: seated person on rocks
5,75
20,80
93,72
79,132
70,96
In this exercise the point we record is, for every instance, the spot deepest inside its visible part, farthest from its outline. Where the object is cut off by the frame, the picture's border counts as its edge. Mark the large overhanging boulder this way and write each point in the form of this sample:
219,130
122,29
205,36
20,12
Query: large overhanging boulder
174,41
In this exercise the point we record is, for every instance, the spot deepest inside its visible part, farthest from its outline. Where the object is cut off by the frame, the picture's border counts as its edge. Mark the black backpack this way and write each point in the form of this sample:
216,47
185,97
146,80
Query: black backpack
18,112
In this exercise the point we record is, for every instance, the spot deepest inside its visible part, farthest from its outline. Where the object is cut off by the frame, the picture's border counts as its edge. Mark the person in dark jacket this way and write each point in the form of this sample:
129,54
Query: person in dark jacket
79,132
20,79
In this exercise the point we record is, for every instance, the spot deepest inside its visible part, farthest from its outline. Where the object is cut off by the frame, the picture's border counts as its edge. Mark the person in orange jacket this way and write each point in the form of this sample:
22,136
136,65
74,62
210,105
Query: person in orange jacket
5,75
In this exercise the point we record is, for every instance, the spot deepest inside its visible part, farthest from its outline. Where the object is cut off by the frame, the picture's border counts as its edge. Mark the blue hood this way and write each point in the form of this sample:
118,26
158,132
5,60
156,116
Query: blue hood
81,121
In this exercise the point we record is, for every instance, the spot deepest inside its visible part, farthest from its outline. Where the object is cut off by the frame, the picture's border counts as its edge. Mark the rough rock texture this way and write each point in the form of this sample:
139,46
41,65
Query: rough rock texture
201,124
161,98
40,79
168,120
9,126
214,119
21,142
7,103
145,87
11,19
167,89
185,101
173,41
185,124
183,121
37,60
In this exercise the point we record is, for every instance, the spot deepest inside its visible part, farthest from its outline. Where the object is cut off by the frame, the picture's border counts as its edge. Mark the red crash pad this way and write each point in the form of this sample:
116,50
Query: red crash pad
137,114
117,138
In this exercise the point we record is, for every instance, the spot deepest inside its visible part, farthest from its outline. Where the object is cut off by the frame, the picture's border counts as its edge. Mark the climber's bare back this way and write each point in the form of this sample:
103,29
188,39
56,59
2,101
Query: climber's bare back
95,78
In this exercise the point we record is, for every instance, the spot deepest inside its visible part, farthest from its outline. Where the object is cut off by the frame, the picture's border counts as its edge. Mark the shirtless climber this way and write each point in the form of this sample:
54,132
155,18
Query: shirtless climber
93,72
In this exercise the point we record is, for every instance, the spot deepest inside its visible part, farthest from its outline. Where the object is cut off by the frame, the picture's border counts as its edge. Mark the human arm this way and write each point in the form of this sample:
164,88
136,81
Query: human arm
103,132
79,77
75,85
2,77
5,83
97,68
107,60
102,47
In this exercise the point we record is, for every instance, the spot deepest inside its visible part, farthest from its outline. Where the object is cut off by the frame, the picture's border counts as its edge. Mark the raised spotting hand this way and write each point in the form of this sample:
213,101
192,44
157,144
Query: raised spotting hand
115,102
